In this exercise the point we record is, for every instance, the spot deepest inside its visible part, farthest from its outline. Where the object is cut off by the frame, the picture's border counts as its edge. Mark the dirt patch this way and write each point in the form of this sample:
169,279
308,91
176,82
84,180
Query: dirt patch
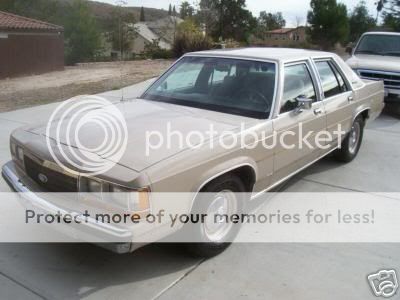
90,78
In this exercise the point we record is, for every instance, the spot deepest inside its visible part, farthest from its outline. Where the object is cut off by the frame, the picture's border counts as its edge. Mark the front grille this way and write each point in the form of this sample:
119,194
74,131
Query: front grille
391,80
52,181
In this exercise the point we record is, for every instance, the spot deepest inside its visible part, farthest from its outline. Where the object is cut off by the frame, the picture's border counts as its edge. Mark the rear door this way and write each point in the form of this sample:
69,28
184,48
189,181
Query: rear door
337,97
290,126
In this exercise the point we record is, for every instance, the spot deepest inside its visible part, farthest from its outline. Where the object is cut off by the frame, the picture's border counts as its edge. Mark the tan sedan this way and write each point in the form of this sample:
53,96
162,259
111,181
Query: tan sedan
261,96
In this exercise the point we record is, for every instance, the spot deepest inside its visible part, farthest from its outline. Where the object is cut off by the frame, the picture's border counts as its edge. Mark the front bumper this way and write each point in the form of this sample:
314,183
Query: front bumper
101,232
392,96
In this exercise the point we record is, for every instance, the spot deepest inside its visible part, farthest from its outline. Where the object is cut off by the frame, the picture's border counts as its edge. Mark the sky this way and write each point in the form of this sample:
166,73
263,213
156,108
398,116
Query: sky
291,9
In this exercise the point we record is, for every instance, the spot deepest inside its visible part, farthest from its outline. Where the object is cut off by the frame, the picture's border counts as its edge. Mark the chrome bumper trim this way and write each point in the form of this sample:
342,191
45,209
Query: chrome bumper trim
102,231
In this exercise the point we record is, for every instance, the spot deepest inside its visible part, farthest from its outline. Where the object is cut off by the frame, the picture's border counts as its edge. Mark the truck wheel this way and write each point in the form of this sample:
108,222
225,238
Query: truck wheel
352,143
223,196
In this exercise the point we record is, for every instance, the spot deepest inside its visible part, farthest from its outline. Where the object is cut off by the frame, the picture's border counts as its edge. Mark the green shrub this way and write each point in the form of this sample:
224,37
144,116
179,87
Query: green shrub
190,42
154,51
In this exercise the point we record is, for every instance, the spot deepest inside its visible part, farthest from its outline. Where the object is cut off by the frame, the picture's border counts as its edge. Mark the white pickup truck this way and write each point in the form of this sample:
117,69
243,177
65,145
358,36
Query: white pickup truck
377,57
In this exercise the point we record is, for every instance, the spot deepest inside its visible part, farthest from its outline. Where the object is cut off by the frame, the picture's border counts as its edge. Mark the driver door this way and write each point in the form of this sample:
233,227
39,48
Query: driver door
291,125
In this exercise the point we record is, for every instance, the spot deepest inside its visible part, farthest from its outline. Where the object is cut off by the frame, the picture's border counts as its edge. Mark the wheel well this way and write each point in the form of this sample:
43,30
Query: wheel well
365,114
245,173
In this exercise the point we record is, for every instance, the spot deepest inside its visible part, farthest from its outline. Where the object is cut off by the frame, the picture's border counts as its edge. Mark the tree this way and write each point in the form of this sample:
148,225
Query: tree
174,11
391,15
380,5
190,38
81,33
227,19
360,21
46,10
329,23
122,31
271,21
170,10
142,15
186,10
268,21
188,26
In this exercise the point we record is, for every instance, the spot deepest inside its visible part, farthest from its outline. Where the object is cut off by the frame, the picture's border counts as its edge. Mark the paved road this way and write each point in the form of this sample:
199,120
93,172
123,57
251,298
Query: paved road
246,271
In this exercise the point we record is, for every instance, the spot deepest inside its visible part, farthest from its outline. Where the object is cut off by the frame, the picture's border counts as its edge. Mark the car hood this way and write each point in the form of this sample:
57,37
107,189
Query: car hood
375,62
150,121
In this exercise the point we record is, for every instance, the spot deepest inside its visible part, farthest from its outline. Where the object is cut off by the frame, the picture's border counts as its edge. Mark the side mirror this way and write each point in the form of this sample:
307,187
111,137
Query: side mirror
349,50
303,103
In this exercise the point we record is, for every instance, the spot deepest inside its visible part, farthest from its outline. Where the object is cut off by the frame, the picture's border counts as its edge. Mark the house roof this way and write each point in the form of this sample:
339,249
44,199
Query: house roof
165,27
283,30
11,22
143,30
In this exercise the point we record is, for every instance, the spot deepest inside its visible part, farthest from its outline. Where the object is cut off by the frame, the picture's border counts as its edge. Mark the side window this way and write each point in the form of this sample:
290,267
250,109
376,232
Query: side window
332,81
342,83
297,82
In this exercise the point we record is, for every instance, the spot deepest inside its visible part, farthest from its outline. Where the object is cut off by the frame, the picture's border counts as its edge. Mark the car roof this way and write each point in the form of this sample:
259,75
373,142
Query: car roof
381,33
275,54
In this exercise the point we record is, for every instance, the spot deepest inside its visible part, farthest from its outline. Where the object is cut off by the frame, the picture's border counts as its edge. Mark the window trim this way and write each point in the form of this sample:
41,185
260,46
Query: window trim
339,70
314,81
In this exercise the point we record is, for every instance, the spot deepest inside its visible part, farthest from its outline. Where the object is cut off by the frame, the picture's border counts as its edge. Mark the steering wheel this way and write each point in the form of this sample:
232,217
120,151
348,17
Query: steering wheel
255,97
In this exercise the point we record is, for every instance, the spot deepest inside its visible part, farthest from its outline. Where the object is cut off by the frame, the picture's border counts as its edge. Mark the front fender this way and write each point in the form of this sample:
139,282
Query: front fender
223,168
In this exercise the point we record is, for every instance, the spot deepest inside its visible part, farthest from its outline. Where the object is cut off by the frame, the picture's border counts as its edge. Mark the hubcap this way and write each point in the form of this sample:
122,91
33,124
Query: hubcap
223,204
354,137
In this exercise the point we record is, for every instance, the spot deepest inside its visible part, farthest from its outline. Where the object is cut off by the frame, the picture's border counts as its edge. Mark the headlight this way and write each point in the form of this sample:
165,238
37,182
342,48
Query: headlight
133,200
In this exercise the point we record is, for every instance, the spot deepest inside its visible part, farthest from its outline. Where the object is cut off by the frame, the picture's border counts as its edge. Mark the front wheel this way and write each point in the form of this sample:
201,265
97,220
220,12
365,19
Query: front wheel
223,196
352,143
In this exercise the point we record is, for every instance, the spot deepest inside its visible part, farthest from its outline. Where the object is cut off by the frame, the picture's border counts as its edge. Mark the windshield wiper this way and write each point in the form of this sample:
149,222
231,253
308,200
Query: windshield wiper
369,52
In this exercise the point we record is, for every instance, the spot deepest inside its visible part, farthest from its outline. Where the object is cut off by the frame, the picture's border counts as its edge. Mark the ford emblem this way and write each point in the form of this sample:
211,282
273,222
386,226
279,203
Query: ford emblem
43,178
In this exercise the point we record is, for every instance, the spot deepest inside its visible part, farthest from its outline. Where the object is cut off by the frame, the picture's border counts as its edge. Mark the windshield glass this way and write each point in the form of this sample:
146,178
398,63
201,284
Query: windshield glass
232,86
379,45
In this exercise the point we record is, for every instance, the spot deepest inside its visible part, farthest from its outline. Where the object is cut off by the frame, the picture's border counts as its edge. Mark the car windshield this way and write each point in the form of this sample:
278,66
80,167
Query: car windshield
233,86
379,45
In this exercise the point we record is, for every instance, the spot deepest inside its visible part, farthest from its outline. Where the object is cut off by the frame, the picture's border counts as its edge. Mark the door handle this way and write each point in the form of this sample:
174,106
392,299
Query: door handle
351,98
318,111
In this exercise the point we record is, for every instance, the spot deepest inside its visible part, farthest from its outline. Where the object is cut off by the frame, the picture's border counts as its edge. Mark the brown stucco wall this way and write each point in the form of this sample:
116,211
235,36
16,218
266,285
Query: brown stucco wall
27,54
292,38
139,44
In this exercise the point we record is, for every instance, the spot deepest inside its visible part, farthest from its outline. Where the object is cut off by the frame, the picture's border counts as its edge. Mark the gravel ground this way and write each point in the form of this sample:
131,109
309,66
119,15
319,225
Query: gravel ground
90,78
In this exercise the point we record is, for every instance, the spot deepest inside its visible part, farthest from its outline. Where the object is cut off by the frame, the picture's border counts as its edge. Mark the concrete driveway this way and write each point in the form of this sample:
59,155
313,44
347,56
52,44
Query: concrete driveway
252,271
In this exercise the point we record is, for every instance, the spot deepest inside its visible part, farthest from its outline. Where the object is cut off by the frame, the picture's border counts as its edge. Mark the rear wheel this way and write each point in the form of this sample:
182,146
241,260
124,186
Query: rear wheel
352,143
223,196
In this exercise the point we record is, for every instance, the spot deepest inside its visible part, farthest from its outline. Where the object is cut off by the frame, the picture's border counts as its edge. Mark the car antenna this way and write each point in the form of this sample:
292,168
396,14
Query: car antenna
120,4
